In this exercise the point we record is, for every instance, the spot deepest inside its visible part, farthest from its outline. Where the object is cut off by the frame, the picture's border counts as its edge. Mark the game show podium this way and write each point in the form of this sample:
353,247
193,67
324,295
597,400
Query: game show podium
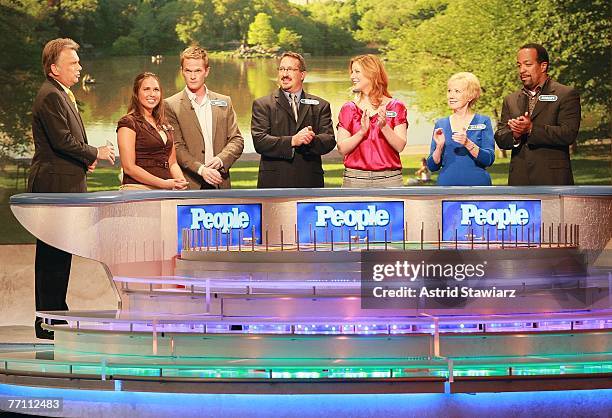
262,291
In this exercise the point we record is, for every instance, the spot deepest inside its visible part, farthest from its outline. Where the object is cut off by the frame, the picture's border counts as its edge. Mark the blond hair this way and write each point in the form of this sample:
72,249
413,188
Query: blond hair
52,51
472,85
195,52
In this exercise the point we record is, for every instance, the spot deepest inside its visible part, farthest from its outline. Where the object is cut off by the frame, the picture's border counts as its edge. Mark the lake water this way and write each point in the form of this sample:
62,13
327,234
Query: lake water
104,103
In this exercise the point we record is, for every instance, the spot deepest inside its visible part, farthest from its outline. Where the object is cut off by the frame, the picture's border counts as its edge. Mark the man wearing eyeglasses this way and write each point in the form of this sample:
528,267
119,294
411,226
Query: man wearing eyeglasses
291,130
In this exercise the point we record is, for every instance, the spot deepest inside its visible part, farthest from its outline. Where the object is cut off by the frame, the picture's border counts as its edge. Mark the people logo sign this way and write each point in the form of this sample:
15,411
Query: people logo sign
220,222
350,220
511,219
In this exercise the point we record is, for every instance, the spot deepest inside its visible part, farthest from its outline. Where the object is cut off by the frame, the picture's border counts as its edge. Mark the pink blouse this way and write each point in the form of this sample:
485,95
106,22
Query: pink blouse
374,153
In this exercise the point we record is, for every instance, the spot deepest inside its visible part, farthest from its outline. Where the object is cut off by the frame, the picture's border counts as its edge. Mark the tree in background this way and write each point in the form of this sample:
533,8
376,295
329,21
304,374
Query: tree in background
154,25
24,27
444,37
289,40
261,31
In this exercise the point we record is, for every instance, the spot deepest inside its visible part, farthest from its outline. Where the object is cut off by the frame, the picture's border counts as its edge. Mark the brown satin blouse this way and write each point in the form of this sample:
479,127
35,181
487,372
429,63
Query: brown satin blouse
151,152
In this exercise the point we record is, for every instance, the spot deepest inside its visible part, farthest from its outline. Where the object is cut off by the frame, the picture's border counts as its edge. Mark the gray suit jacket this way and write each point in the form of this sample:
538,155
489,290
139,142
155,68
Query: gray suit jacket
61,152
189,140
542,158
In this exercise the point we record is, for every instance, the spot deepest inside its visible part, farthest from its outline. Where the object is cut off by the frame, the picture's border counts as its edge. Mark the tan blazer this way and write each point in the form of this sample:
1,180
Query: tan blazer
189,140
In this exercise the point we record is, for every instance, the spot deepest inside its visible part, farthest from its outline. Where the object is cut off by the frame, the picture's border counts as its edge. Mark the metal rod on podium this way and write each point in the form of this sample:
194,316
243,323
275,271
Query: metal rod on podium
253,238
422,233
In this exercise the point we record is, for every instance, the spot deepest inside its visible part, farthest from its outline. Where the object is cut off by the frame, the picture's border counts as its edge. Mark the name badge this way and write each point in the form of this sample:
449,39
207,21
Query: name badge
548,98
390,114
309,101
218,102
477,127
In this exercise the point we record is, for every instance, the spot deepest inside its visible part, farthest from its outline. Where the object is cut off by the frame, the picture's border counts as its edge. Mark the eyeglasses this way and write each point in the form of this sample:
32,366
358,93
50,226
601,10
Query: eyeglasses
290,69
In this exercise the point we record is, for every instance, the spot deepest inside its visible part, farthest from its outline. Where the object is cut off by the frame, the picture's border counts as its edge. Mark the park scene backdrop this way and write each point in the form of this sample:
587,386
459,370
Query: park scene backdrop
422,42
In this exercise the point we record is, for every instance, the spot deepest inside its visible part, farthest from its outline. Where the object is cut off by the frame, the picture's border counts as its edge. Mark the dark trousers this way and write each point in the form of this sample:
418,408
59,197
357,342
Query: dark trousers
207,186
51,272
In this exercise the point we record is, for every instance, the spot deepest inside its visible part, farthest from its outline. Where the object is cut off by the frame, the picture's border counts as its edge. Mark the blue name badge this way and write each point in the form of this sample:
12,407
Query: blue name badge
212,225
218,102
547,98
353,221
471,219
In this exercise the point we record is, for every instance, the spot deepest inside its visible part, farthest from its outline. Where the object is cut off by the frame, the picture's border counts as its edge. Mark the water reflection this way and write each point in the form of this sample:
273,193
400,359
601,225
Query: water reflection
244,80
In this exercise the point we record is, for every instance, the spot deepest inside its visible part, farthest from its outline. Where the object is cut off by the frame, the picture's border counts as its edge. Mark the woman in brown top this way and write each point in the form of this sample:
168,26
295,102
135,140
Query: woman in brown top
146,145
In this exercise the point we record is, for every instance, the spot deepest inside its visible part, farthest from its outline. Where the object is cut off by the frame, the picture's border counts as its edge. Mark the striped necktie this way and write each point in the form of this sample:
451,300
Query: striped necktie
294,105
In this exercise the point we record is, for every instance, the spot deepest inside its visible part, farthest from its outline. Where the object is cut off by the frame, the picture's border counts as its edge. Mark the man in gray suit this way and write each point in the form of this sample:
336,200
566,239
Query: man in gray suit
62,157
539,123
206,133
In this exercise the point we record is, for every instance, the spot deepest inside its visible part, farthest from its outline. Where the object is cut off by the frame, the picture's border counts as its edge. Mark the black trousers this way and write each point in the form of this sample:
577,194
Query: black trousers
51,273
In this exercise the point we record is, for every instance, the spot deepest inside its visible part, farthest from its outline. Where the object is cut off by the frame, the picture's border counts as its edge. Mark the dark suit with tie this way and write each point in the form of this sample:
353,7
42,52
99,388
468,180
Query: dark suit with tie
272,126
59,165
542,157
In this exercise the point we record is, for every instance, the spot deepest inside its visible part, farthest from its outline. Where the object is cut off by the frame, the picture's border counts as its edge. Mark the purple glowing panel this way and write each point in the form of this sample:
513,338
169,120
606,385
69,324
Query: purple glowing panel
482,219
214,225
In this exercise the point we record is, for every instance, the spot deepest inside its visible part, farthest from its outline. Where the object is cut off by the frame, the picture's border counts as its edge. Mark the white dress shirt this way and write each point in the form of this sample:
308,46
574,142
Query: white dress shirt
203,112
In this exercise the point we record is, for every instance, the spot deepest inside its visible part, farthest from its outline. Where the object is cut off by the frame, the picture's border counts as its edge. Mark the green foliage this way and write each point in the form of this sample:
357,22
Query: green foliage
112,19
436,38
261,31
577,36
289,40
154,25
380,25
126,45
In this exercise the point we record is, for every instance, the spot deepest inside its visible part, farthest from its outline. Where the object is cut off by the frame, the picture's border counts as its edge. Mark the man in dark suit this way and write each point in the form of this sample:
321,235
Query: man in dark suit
539,123
61,160
291,130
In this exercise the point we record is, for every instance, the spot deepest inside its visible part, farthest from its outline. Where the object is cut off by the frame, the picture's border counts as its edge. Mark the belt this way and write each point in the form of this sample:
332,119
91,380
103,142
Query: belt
151,163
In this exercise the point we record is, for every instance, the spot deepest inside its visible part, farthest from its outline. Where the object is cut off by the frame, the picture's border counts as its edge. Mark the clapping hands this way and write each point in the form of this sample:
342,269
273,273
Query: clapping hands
521,125
303,137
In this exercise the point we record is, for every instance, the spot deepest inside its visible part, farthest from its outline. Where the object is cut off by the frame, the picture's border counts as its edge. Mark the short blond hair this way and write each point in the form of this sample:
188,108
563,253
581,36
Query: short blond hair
195,52
52,51
472,85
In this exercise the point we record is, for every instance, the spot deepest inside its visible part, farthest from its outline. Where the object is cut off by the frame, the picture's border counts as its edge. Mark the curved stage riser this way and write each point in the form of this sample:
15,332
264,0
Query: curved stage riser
292,303
288,306
331,347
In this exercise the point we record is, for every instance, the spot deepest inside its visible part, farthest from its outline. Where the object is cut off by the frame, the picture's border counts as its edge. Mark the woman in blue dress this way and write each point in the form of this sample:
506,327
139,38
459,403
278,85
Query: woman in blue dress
462,146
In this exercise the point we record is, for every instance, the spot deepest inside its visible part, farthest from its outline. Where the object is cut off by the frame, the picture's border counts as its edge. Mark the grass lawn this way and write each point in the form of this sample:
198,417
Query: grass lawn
591,166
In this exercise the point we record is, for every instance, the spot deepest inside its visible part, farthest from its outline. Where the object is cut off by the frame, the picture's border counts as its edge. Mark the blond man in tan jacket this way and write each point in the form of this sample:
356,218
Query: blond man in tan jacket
206,133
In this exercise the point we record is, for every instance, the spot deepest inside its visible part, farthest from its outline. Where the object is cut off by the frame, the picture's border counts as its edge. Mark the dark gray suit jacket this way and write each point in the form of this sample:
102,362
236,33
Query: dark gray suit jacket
542,158
272,126
61,152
